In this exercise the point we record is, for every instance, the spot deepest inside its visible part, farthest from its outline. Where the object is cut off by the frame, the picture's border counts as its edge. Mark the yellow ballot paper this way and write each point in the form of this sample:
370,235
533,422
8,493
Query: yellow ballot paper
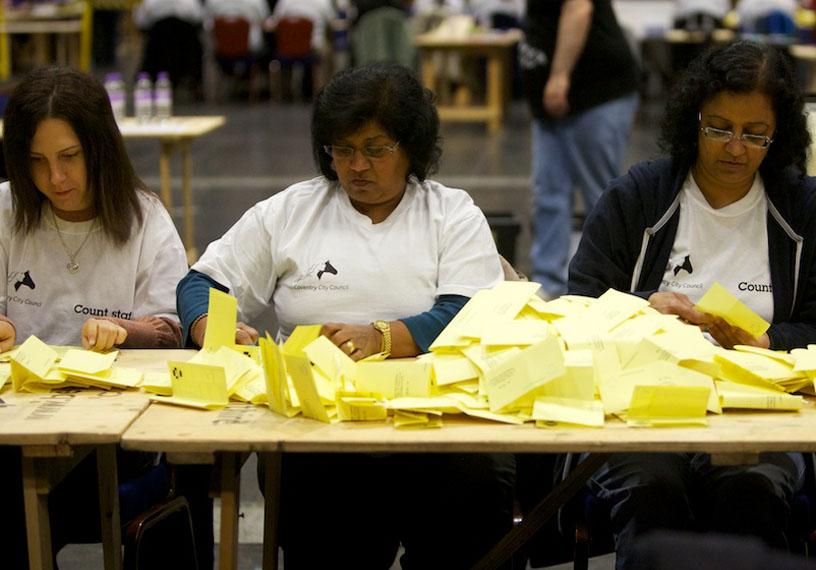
412,420
300,337
31,362
197,385
277,388
754,369
89,362
805,360
515,333
502,303
655,406
616,391
743,396
451,368
221,321
517,378
335,364
548,412
719,302
611,309
157,383
300,369
395,378
361,406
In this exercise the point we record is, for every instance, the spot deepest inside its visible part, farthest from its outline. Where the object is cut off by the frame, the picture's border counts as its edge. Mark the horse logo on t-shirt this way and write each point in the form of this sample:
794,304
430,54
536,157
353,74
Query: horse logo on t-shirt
327,268
685,265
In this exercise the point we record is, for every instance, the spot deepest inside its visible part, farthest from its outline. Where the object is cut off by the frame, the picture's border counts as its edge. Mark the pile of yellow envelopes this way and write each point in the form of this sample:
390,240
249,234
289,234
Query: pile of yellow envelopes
507,356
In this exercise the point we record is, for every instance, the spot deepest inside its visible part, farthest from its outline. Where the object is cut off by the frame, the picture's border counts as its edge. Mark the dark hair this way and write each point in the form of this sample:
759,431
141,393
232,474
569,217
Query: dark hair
387,94
738,67
81,101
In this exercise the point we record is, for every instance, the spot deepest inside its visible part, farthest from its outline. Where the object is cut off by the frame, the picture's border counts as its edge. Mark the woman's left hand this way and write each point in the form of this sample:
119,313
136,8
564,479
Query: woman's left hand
99,334
358,341
728,336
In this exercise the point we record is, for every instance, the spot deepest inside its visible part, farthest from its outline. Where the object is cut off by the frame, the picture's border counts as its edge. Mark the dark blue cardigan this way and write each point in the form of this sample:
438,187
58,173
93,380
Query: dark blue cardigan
628,237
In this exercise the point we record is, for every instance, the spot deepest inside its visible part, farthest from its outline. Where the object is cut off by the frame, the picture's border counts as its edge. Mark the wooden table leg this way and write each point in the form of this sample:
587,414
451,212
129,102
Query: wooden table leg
164,175
272,487
548,506
38,525
187,188
495,74
109,506
230,499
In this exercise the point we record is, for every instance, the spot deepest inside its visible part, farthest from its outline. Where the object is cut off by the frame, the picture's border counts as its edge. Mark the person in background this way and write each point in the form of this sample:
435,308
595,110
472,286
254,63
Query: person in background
700,15
255,12
767,16
91,258
173,43
696,17
729,204
320,13
383,259
500,14
581,83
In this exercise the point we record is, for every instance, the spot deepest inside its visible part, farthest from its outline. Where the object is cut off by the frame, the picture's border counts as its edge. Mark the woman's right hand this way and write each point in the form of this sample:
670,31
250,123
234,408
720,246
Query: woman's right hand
244,334
670,303
7,336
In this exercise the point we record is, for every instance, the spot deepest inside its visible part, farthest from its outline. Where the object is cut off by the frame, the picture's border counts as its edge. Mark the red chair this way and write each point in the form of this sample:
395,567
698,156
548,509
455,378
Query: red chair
232,52
293,46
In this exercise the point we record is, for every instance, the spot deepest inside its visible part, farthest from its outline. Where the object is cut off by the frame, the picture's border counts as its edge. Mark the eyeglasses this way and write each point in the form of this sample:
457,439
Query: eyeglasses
720,135
371,152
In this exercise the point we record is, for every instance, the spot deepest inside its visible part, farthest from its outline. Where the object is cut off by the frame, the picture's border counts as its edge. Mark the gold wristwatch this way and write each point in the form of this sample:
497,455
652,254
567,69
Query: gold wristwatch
385,330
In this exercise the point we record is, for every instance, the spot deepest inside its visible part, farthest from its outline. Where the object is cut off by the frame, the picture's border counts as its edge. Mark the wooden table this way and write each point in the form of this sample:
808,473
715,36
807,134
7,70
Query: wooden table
175,135
58,430
732,438
496,48
75,18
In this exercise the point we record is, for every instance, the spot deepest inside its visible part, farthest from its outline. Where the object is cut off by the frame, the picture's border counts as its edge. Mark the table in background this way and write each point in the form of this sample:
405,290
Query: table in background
175,135
496,48
41,20
732,438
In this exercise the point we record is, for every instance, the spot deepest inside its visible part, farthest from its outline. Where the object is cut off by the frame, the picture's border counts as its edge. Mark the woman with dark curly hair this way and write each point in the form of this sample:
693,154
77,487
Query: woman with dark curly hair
383,258
730,204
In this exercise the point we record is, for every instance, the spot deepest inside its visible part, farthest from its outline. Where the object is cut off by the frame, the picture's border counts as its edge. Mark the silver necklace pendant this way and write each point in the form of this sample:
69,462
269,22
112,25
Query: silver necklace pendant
72,267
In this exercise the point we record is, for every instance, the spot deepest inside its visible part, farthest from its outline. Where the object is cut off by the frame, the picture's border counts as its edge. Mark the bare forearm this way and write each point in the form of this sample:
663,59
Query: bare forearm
402,342
573,30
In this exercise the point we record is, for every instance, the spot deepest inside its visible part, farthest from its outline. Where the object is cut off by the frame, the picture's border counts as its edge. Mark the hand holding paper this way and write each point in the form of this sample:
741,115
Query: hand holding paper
718,302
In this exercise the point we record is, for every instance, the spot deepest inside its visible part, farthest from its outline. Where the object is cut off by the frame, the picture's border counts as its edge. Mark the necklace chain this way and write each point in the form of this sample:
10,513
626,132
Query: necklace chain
72,266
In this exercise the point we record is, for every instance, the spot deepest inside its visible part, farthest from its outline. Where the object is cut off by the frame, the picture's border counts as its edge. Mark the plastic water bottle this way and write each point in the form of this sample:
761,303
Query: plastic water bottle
143,98
116,92
163,97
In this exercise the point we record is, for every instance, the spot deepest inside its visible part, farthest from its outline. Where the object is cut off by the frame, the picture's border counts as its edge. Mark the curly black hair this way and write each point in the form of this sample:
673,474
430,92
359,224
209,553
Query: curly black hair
739,67
387,94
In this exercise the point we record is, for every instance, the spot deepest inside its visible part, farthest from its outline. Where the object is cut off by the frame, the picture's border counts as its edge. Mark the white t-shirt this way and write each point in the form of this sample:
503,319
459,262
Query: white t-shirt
750,10
308,252
716,8
727,245
151,11
43,298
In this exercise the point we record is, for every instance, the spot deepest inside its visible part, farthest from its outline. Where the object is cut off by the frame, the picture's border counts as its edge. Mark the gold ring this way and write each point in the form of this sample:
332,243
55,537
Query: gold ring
350,346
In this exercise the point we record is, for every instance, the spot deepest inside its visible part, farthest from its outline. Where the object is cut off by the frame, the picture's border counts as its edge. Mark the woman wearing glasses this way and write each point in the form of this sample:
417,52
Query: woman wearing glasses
730,204
383,258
